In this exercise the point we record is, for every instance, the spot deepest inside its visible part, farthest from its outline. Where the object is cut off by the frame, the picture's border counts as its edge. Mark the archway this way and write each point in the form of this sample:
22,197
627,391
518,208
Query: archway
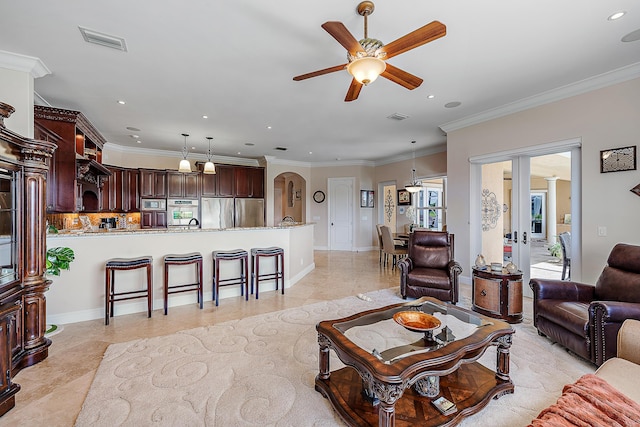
289,198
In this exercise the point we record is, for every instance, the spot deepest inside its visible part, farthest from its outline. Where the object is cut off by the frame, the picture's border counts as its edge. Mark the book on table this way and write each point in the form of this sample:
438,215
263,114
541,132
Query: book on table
445,406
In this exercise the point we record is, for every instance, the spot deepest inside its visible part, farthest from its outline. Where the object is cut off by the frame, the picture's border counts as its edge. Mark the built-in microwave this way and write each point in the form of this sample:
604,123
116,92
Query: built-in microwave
153,205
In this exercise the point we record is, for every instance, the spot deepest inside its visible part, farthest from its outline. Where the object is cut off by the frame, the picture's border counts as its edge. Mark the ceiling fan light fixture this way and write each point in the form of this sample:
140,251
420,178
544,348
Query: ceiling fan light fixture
366,70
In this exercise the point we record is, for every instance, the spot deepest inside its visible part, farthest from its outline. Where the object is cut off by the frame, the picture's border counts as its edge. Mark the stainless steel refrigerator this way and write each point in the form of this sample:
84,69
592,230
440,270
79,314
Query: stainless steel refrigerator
222,212
249,213
216,212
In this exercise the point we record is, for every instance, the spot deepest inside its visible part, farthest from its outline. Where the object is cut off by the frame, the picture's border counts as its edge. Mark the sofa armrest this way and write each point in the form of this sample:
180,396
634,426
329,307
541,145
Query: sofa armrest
615,311
561,290
405,265
454,268
629,341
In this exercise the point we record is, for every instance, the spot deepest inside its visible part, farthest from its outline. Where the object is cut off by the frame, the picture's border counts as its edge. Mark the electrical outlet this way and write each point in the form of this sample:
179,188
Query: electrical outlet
602,231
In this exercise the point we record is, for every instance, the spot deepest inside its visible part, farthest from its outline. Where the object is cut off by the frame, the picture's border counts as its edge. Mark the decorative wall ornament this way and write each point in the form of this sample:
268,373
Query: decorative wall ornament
491,210
636,190
618,159
389,204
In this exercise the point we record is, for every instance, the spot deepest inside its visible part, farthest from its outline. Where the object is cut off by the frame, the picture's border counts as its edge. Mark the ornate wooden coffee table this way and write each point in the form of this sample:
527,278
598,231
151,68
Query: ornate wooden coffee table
393,374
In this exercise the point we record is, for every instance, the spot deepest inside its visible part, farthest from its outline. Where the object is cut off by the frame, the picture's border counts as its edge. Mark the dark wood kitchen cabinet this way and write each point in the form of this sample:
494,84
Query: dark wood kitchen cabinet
120,191
76,175
24,165
249,182
225,182
153,219
182,185
153,183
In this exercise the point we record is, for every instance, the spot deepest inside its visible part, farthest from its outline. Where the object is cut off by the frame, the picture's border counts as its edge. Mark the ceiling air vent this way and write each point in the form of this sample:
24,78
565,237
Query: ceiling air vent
397,116
91,36
281,148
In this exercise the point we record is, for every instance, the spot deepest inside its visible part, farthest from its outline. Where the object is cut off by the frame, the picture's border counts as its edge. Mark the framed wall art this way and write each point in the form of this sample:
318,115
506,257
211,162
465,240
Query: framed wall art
404,197
366,199
618,159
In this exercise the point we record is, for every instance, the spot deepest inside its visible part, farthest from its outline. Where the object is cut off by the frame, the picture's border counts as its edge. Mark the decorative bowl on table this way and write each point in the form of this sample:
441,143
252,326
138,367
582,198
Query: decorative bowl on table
416,321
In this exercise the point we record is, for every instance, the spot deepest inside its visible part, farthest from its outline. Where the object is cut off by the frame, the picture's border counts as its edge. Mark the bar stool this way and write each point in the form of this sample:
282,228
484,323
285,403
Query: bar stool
182,259
256,254
242,280
111,296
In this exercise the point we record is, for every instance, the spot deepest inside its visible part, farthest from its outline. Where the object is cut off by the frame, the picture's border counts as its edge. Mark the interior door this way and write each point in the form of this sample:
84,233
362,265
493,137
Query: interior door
341,214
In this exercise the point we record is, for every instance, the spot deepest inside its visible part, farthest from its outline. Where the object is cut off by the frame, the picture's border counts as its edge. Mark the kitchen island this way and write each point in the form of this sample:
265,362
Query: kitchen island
78,294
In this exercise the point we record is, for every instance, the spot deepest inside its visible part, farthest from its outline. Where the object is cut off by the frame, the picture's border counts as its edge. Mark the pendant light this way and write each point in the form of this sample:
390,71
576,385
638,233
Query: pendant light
209,167
415,185
185,166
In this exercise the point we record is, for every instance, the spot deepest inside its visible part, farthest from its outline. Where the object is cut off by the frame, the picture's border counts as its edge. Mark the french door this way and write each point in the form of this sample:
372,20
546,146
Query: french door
516,191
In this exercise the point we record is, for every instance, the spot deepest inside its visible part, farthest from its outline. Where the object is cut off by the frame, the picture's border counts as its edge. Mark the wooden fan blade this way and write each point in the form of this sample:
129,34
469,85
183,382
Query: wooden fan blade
343,36
422,35
354,91
320,72
401,77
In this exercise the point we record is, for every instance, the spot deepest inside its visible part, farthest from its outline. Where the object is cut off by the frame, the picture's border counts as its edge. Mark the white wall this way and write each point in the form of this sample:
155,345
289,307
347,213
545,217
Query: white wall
601,119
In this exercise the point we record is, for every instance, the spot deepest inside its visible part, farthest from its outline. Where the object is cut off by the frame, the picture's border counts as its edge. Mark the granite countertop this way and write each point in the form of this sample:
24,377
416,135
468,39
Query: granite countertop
120,231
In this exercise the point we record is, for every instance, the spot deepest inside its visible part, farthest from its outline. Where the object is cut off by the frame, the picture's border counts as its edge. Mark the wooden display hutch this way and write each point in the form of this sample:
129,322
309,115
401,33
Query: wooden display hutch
77,173
24,164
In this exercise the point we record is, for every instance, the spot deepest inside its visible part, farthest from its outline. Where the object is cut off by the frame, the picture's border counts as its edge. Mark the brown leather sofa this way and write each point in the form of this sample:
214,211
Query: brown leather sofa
584,318
429,269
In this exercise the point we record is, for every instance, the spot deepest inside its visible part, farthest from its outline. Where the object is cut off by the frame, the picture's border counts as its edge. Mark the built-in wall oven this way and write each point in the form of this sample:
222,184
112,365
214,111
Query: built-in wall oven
183,213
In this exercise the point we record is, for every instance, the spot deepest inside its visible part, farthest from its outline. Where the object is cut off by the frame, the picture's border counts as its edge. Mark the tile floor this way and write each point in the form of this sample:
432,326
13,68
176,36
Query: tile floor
53,391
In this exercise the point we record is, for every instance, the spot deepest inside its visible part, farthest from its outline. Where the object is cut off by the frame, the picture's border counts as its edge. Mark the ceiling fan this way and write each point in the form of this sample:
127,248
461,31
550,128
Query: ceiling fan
367,57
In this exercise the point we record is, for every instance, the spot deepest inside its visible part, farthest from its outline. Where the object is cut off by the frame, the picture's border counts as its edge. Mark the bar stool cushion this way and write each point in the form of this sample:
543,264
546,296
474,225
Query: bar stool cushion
183,258
129,262
232,254
273,250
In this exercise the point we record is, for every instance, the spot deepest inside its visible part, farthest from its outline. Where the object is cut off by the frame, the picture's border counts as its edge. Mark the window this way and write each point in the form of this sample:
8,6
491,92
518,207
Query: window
431,204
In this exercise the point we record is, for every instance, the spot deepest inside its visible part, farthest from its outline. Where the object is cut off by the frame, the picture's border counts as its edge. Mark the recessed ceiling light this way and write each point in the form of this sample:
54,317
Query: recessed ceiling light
249,144
310,152
121,102
134,136
239,152
430,96
453,104
139,142
633,36
205,117
268,127
131,128
616,15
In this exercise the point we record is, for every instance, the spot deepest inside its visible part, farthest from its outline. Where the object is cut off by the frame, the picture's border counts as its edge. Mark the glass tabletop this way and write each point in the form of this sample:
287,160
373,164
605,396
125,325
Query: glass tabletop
379,334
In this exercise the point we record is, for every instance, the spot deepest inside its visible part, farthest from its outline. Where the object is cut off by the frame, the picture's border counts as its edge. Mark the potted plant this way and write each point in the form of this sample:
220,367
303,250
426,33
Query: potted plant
58,258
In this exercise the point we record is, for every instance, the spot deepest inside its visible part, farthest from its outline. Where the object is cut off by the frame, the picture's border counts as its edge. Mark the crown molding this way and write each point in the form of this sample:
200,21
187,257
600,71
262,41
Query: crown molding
178,154
23,63
409,156
583,86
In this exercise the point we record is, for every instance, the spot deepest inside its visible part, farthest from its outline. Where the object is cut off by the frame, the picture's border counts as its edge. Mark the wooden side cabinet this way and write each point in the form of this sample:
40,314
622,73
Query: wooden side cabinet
497,294
8,389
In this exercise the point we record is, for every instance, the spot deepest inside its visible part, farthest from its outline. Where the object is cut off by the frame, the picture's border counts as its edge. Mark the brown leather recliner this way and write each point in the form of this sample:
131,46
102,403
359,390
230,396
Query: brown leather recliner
584,318
430,269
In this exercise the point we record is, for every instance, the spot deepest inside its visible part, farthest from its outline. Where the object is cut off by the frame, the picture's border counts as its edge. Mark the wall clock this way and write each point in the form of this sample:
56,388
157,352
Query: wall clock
618,159
318,196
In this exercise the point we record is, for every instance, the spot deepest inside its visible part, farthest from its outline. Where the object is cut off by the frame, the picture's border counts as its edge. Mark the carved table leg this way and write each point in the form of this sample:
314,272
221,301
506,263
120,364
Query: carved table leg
323,358
386,414
502,363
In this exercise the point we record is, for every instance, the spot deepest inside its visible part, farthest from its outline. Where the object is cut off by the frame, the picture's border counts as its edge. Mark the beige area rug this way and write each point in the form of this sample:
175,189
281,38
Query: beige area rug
259,371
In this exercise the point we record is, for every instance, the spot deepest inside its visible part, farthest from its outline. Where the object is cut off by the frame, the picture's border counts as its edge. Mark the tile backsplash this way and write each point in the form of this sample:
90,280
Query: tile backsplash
72,221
